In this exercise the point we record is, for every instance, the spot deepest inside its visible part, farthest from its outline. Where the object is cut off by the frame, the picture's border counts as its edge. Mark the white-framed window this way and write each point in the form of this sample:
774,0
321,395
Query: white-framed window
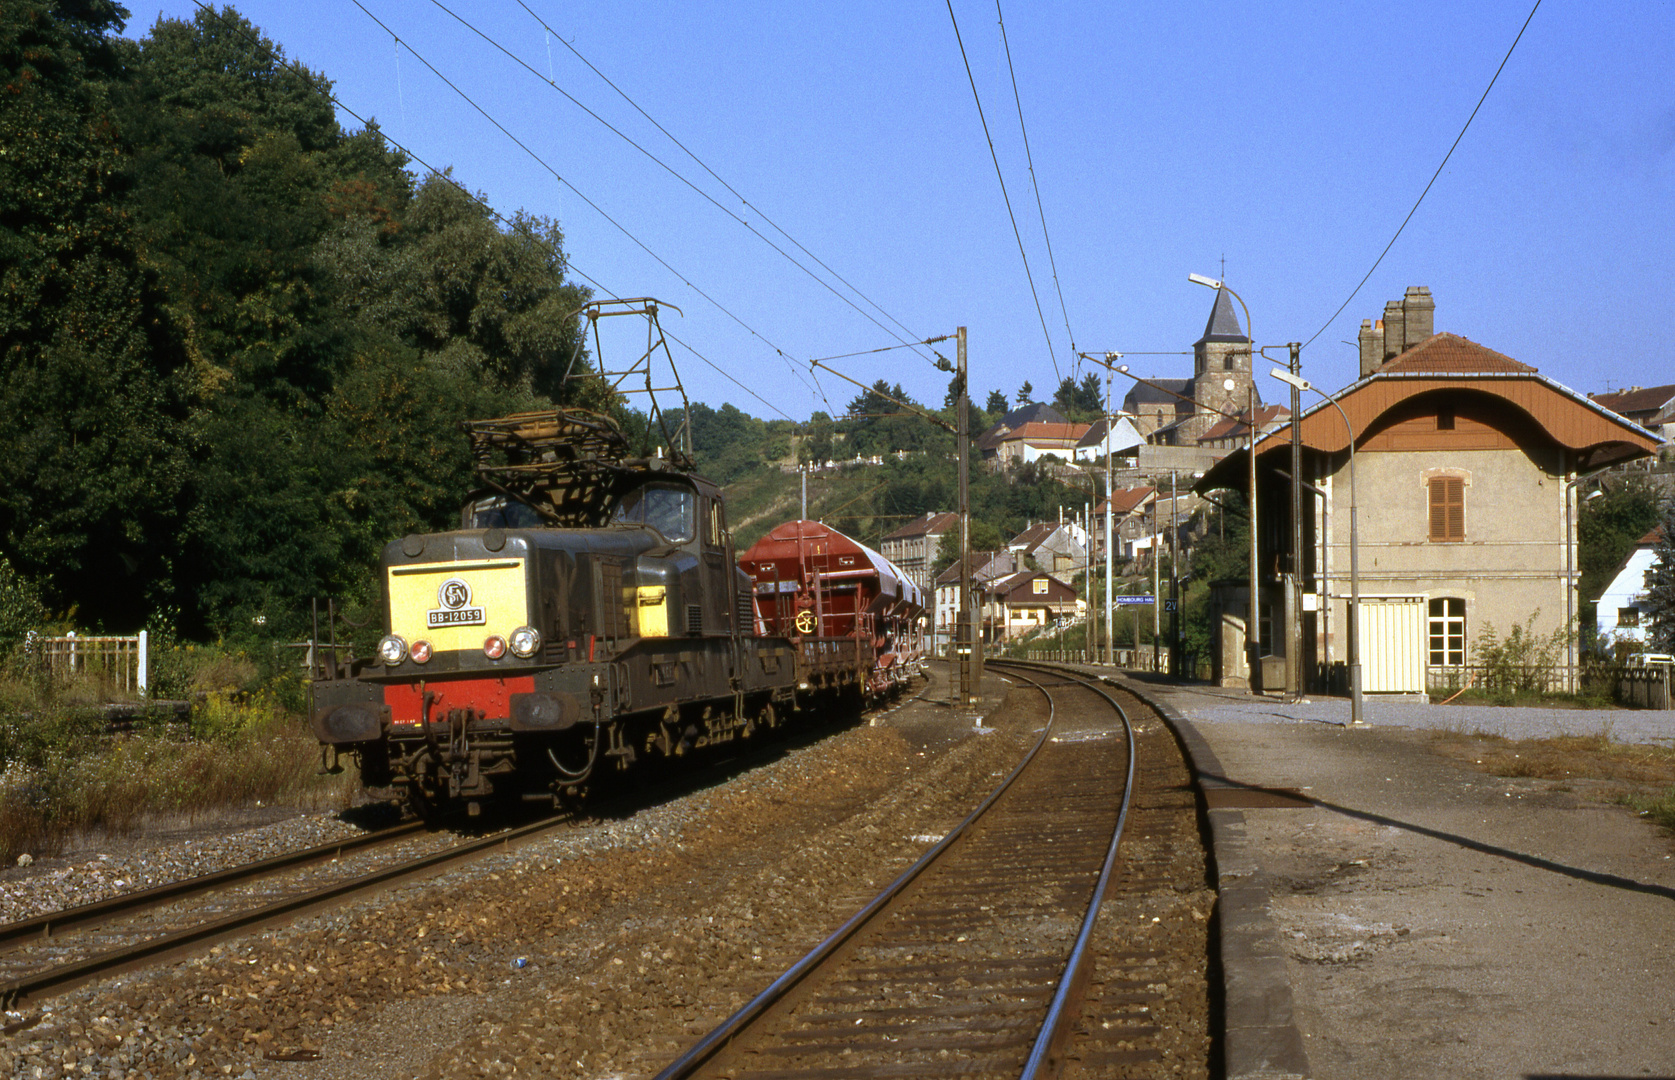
1448,631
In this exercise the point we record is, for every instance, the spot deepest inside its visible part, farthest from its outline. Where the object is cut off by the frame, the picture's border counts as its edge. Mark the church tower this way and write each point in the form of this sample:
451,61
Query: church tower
1222,354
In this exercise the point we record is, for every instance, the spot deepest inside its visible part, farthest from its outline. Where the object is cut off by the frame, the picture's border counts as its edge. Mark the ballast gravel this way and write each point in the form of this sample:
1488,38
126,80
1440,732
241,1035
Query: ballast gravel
46,885
590,951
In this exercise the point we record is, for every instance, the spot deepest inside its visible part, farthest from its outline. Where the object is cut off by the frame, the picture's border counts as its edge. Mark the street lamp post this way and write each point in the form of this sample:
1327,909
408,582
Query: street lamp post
1254,621
1355,701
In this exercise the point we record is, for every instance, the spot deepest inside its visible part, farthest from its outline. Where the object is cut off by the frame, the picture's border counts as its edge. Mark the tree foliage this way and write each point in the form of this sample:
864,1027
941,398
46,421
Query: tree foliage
235,339
1080,402
1660,588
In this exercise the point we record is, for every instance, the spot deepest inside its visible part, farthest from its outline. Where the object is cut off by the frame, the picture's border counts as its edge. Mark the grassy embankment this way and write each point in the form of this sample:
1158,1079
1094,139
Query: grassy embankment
66,772
1638,776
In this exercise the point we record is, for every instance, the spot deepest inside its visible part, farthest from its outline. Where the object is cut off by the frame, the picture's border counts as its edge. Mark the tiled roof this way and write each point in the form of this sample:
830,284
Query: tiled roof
930,523
982,563
1035,412
1124,500
1646,399
1032,537
1146,394
1653,537
1227,427
1035,431
1451,354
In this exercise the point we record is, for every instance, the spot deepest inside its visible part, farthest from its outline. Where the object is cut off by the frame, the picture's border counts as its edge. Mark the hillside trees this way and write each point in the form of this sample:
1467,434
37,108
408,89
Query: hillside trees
241,338
92,379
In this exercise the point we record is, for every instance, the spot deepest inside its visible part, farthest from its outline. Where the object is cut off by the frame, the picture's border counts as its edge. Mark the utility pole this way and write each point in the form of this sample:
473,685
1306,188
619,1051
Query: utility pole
1110,636
966,643
1174,584
1254,629
1294,593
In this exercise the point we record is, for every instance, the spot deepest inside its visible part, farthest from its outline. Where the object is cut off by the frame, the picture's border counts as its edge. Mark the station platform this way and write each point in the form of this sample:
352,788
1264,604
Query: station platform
1387,911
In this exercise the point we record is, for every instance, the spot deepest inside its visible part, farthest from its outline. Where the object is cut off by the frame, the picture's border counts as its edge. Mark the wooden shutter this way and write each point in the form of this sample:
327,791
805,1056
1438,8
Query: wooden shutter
1448,509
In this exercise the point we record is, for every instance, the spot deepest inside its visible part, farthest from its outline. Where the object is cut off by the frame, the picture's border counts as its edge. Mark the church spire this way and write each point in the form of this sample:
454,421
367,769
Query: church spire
1223,324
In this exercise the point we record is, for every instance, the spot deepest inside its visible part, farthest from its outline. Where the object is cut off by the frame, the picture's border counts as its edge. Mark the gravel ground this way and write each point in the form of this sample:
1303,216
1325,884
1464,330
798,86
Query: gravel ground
130,863
591,952
1514,722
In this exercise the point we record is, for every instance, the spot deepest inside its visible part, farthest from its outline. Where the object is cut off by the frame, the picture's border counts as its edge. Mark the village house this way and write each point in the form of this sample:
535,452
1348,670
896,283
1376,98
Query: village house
1619,615
1652,407
1060,547
985,567
1465,465
913,546
1029,600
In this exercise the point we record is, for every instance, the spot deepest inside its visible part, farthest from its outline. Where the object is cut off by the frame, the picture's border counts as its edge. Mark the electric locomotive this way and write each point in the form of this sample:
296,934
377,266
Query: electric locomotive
586,612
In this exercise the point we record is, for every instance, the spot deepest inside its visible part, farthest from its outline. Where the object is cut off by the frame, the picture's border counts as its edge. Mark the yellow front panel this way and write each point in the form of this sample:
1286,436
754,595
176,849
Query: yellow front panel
455,605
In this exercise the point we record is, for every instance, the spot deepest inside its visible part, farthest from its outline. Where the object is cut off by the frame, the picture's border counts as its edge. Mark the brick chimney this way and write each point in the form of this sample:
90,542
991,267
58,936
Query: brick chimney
1406,323
1395,330
1420,311
1372,346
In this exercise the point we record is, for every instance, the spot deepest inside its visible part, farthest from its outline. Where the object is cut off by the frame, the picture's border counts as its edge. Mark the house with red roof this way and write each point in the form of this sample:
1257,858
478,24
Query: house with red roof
1455,476
913,546
1652,407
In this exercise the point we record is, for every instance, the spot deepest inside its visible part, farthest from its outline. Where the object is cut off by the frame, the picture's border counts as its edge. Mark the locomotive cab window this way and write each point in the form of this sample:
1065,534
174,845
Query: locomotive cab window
670,510
499,512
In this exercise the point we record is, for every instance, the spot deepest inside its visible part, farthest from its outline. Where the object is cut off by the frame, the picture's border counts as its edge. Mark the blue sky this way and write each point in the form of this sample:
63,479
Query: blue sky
1290,140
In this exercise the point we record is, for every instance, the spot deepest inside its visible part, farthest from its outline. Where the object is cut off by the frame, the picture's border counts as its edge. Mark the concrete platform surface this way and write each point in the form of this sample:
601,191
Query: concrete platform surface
1423,919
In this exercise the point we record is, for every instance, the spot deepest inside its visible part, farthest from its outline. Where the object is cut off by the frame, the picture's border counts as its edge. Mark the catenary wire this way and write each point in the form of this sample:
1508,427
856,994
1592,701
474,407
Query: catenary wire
787,256
1051,355
1434,175
1029,158
303,73
595,206
718,179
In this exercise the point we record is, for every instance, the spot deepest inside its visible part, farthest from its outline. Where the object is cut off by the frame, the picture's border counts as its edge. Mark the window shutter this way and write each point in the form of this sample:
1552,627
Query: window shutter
1448,509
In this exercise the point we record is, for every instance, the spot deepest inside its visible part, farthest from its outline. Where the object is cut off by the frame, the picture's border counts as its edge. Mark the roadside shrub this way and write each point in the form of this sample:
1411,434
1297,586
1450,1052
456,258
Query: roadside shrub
1519,663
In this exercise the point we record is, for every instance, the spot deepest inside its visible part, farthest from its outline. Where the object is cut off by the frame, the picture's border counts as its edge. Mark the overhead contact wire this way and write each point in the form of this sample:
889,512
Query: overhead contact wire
717,177
569,264
595,206
787,256
1433,180
1051,355
1029,158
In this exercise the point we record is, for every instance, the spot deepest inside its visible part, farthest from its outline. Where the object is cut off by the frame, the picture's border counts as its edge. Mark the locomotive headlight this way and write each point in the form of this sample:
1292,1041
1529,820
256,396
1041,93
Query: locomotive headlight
495,647
420,651
392,650
524,641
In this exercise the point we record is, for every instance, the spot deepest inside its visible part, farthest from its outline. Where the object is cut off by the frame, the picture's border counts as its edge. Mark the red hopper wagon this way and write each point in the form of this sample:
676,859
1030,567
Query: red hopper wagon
856,617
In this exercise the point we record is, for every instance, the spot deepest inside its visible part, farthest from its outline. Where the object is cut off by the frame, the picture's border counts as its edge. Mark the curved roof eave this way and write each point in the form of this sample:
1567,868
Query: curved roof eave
1327,434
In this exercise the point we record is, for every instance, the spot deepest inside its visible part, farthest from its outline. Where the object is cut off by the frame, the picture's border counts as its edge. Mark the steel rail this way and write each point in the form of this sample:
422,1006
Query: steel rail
81,970
15,934
1043,1054
689,1062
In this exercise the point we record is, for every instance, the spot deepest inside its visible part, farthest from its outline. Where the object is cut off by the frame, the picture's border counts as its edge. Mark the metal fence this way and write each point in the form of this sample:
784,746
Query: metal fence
121,662
1548,679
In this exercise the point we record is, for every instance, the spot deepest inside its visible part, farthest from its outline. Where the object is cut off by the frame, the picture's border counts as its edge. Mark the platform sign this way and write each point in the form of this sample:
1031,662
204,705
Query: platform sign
1171,605
1141,600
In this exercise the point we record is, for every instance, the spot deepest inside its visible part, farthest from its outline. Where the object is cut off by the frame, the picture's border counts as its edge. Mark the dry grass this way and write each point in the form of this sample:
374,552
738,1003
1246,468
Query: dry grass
1636,775
64,774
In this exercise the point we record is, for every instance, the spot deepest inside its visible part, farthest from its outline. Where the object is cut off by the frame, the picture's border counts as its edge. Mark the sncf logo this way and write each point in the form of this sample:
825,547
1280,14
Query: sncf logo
454,594
455,599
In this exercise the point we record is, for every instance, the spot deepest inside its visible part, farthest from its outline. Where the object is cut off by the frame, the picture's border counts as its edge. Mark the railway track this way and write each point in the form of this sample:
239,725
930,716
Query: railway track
56,951
987,957
53,952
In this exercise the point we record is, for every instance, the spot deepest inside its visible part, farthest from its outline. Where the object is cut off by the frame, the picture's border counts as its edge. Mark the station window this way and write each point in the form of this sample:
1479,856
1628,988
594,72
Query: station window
1448,509
1448,632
